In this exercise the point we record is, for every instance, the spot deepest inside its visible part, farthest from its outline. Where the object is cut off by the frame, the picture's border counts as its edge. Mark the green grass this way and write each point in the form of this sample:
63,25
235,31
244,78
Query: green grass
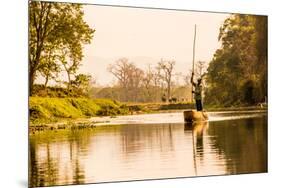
44,110
48,110
154,107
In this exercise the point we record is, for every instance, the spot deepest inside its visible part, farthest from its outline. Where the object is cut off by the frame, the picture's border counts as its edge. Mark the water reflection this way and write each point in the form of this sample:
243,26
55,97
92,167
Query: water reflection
243,144
56,158
197,130
131,152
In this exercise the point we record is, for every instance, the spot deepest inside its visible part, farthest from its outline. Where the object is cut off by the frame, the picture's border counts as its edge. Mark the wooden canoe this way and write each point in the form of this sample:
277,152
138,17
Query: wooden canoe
194,116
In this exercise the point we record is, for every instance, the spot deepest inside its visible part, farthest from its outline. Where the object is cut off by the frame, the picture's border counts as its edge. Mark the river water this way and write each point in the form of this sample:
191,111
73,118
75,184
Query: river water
150,146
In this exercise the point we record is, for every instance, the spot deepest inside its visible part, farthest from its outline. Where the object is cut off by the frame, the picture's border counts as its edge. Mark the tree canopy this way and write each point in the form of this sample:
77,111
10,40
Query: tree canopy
57,33
237,73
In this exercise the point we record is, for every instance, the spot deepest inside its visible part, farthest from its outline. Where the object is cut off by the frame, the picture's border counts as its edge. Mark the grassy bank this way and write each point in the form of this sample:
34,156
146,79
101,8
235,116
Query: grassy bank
45,110
48,110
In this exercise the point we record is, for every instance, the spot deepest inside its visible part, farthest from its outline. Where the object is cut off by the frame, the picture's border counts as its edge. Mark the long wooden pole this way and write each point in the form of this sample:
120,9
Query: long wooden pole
194,40
193,58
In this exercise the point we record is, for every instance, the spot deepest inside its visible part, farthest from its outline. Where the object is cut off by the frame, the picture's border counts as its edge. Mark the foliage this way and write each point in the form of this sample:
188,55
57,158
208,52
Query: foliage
110,107
44,109
59,92
81,84
237,73
57,33
51,108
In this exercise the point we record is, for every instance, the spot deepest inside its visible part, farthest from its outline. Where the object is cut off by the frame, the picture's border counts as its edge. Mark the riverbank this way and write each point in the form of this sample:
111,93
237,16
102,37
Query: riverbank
75,113
47,113
46,110
52,110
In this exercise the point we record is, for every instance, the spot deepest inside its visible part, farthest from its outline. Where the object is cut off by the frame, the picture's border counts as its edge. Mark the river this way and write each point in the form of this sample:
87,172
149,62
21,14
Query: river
150,146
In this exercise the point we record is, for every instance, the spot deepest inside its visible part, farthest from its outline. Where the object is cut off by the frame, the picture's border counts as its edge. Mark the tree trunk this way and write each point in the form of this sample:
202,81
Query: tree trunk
69,81
46,81
31,80
169,91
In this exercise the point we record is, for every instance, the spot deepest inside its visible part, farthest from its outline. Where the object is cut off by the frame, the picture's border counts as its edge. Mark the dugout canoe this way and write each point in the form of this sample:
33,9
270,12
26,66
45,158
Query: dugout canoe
191,116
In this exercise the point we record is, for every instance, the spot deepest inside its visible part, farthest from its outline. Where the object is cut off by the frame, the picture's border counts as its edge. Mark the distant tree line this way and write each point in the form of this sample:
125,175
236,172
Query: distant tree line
154,84
237,74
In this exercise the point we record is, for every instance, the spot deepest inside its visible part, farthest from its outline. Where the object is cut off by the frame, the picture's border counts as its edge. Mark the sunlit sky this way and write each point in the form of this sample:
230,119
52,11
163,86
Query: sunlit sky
144,36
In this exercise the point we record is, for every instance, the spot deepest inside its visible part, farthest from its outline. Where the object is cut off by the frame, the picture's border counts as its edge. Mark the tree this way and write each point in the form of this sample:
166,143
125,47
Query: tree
120,70
70,64
39,28
55,26
237,72
129,78
261,26
165,73
148,82
48,68
200,68
135,83
82,83
186,78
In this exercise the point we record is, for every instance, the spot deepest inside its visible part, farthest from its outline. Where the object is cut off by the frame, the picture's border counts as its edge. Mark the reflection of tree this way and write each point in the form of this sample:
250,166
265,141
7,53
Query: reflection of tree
243,143
33,166
79,174
51,171
45,170
44,174
134,138
79,141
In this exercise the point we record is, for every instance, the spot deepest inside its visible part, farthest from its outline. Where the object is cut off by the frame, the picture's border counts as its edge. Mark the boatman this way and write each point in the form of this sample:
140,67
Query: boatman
197,92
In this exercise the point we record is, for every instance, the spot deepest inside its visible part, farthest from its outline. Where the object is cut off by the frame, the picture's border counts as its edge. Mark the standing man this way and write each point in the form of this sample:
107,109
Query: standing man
197,92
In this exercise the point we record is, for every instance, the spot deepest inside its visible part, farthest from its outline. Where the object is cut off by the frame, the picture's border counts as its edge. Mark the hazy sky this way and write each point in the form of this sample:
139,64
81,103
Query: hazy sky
145,36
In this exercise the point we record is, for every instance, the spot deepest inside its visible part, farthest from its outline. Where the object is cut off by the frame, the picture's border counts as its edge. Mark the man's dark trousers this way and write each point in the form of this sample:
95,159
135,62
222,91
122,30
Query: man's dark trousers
199,105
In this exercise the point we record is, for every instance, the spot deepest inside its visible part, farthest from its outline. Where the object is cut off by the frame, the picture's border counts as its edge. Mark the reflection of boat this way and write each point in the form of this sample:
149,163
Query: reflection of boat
195,116
197,128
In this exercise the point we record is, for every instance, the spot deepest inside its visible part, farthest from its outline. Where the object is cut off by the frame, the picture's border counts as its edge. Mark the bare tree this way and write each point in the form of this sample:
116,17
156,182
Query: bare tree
136,81
166,72
129,77
186,79
148,81
200,68
120,70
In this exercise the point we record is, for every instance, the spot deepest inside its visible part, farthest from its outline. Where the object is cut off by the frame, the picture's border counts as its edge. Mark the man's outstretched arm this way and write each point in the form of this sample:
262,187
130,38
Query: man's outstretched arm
191,80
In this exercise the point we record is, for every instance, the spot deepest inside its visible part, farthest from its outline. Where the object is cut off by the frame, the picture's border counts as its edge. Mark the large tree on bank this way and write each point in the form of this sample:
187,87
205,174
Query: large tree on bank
57,29
237,74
